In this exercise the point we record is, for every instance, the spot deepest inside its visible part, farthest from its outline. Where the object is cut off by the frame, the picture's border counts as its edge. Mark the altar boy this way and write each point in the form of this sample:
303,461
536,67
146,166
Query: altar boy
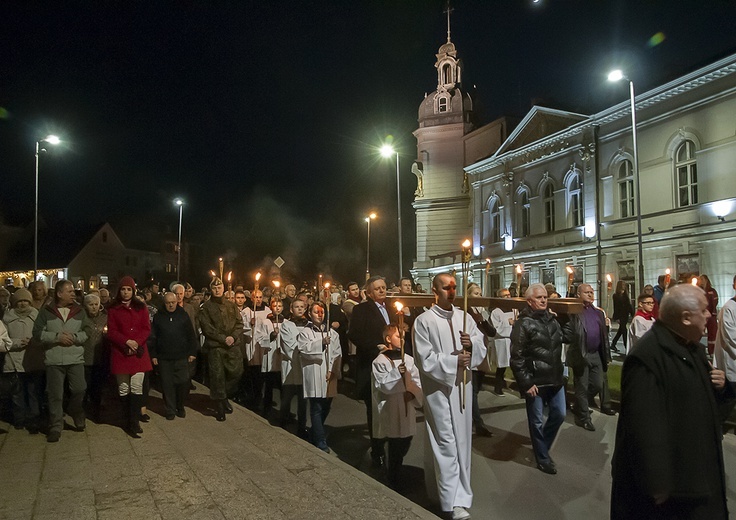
397,393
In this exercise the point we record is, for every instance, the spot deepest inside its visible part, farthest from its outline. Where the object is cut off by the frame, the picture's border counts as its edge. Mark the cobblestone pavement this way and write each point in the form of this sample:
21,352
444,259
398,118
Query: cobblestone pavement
187,468
247,469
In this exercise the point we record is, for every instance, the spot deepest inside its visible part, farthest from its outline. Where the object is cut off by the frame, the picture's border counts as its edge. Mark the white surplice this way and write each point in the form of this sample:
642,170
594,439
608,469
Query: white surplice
449,427
291,367
270,350
315,361
502,340
392,416
253,351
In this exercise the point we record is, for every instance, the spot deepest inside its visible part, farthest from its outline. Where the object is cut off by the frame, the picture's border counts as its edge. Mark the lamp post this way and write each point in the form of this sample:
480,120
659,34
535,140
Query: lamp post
618,75
368,247
387,151
179,202
54,140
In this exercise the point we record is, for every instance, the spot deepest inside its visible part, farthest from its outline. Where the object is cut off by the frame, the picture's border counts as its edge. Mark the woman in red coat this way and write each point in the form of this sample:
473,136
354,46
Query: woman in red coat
128,328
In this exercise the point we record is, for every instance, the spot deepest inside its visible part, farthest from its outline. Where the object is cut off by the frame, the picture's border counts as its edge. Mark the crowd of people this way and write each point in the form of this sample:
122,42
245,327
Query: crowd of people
60,350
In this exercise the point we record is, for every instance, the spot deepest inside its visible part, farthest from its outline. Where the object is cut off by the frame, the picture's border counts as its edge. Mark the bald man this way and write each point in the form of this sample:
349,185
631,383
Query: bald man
442,352
668,460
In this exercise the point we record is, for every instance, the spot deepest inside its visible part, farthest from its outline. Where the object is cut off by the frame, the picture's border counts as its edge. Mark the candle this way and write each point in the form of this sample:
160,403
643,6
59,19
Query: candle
570,274
222,266
325,297
667,277
519,271
229,282
609,281
399,310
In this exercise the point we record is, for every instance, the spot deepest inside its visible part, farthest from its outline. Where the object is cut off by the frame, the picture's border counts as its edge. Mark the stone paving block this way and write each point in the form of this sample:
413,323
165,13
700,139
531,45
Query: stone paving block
73,473
115,468
173,506
68,503
12,513
128,513
139,497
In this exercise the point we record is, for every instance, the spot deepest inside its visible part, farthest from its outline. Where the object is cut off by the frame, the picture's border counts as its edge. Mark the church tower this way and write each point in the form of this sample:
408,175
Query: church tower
442,200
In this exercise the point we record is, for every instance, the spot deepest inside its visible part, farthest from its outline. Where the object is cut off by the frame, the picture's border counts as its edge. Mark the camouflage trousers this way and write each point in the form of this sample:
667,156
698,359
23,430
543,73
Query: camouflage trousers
225,369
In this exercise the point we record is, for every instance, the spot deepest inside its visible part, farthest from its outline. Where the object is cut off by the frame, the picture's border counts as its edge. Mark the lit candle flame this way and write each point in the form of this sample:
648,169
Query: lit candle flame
518,268
466,244
229,275
608,278
569,269
220,259
258,276
488,261
212,274
276,284
399,306
694,281
327,285
667,271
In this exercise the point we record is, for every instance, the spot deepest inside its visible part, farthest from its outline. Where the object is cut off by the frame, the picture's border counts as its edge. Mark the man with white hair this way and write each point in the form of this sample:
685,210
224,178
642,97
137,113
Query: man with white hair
536,360
668,460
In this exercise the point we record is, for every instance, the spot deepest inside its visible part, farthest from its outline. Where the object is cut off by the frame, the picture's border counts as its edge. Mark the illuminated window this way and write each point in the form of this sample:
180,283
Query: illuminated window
548,198
625,181
686,173
495,219
575,194
524,214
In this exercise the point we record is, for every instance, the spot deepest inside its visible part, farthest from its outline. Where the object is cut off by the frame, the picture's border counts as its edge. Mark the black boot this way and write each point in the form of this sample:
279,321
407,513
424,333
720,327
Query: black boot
181,393
228,406
220,410
134,426
500,382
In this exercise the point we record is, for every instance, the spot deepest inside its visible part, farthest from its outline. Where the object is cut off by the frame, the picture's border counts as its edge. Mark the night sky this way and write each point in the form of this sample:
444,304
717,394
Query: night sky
266,116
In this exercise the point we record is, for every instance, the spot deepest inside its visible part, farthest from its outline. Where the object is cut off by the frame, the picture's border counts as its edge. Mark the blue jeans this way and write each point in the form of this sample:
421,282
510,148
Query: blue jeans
543,432
319,408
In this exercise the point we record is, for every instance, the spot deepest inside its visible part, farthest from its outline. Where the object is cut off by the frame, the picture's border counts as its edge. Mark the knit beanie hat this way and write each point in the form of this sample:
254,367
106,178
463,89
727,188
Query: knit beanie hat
20,295
127,281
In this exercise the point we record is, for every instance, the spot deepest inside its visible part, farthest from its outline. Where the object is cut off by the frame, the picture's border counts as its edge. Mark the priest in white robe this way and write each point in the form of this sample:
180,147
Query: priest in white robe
442,352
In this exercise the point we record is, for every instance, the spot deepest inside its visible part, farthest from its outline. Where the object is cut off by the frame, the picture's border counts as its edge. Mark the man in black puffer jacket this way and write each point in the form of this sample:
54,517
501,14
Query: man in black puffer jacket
536,360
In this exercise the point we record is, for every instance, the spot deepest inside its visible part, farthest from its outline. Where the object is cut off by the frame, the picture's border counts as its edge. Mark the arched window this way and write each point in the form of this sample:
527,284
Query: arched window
443,104
494,214
575,194
548,198
446,74
686,174
524,214
625,182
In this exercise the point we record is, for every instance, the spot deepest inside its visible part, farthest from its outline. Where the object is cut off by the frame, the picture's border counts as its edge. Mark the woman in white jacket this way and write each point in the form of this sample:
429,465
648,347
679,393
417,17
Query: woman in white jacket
19,321
319,352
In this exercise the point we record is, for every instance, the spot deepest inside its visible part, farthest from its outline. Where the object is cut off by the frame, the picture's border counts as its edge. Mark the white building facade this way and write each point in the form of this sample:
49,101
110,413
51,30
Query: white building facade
560,191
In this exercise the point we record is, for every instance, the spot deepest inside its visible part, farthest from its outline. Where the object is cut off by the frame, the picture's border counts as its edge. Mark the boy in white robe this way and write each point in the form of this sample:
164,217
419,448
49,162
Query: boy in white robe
291,368
503,322
253,354
442,353
268,339
319,353
397,393
643,320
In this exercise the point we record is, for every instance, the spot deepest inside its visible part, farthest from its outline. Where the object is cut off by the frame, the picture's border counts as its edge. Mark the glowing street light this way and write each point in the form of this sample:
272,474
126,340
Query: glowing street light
368,219
618,75
387,151
53,140
179,202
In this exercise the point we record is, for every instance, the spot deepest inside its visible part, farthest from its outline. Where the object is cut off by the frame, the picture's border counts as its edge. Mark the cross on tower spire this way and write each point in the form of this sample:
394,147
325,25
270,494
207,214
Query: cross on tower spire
448,10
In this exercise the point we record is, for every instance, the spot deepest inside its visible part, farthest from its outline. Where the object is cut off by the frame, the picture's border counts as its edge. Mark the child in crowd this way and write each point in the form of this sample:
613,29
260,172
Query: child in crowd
643,319
397,393
269,339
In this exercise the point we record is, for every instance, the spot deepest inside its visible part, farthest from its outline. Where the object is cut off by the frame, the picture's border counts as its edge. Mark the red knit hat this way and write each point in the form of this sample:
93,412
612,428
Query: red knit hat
127,281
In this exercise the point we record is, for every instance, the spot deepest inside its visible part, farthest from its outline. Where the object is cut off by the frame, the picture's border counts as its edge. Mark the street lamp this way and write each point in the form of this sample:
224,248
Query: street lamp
618,75
387,151
179,202
368,247
54,140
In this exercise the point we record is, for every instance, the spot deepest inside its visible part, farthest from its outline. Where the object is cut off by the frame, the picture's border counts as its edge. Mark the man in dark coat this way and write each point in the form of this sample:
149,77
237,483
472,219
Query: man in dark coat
173,346
366,331
588,355
668,460
536,359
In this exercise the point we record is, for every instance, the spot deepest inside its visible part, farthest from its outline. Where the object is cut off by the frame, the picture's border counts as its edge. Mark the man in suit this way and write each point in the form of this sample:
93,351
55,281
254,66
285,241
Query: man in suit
366,332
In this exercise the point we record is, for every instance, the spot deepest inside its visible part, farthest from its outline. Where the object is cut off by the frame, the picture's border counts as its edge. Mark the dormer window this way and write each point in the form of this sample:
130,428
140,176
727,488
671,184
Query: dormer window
446,74
442,107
